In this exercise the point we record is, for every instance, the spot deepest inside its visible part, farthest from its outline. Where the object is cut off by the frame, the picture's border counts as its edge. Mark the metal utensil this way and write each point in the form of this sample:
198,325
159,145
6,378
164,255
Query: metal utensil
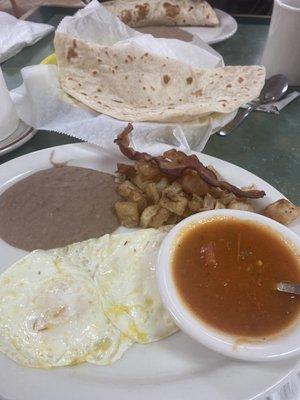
288,287
273,90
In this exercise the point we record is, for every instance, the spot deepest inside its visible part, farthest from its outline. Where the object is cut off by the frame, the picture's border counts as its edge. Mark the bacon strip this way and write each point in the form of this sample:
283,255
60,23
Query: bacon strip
173,162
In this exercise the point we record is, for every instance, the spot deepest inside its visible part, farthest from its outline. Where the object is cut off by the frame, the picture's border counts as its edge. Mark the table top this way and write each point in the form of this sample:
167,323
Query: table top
266,144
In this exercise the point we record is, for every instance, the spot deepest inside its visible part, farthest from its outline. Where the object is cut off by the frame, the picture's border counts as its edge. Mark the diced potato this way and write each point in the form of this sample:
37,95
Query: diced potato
173,199
154,216
192,183
128,213
219,205
140,183
152,192
147,170
162,184
195,204
209,202
282,211
132,193
240,205
227,198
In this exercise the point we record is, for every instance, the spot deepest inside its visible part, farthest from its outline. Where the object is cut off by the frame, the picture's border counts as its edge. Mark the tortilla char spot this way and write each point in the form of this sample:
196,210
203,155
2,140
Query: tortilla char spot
191,8
126,16
189,80
152,88
129,57
207,16
144,88
240,80
72,53
184,21
197,93
84,94
99,60
106,52
126,61
70,78
142,11
166,79
126,77
79,84
229,85
94,72
99,90
172,11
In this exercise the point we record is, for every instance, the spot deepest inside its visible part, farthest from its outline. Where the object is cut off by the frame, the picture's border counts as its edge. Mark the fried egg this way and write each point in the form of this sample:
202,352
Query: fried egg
123,267
51,315
127,283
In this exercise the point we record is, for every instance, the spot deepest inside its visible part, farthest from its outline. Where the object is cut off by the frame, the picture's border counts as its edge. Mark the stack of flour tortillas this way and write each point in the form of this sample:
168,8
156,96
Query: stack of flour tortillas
129,83
138,13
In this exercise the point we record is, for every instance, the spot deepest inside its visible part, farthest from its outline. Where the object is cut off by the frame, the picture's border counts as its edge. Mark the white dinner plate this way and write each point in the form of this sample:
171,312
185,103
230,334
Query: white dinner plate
175,368
215,34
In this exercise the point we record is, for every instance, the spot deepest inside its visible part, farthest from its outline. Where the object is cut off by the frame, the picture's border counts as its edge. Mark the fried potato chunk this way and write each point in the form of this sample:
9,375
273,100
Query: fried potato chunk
173,199
128,213
195,204
192,184
132,193
147,170
209,202
240,205
154,216
162,184
282,211
152,192
219,205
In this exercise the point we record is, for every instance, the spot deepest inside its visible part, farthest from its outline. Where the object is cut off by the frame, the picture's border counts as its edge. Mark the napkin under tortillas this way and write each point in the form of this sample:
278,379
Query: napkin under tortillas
130,84
138,13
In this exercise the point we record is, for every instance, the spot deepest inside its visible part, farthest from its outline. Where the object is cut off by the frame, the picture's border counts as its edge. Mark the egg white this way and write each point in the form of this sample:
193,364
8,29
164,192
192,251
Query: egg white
127,284
51,315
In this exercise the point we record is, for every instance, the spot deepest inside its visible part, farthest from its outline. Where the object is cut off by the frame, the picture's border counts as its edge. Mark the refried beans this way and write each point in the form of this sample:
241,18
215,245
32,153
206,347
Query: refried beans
58,206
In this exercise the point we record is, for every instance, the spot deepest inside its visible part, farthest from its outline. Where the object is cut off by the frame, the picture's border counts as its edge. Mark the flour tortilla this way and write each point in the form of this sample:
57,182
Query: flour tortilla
136,13
129,84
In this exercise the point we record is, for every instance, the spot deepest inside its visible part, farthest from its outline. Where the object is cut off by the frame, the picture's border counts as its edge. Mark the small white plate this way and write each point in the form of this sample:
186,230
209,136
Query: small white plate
216,34
174,368
20,136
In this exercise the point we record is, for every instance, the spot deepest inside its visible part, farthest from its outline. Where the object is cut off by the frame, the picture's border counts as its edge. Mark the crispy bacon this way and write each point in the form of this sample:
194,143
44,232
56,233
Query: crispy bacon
173,162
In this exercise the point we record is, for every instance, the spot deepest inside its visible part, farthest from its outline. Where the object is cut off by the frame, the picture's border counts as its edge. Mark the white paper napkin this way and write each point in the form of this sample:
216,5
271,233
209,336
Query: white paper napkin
16,34
42,104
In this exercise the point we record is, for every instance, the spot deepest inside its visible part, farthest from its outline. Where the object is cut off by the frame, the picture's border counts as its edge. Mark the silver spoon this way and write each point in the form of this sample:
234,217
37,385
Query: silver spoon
288,287
273,90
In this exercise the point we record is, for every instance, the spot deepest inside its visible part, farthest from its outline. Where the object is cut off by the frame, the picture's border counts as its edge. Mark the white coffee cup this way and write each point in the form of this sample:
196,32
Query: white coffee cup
8,116
282,50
